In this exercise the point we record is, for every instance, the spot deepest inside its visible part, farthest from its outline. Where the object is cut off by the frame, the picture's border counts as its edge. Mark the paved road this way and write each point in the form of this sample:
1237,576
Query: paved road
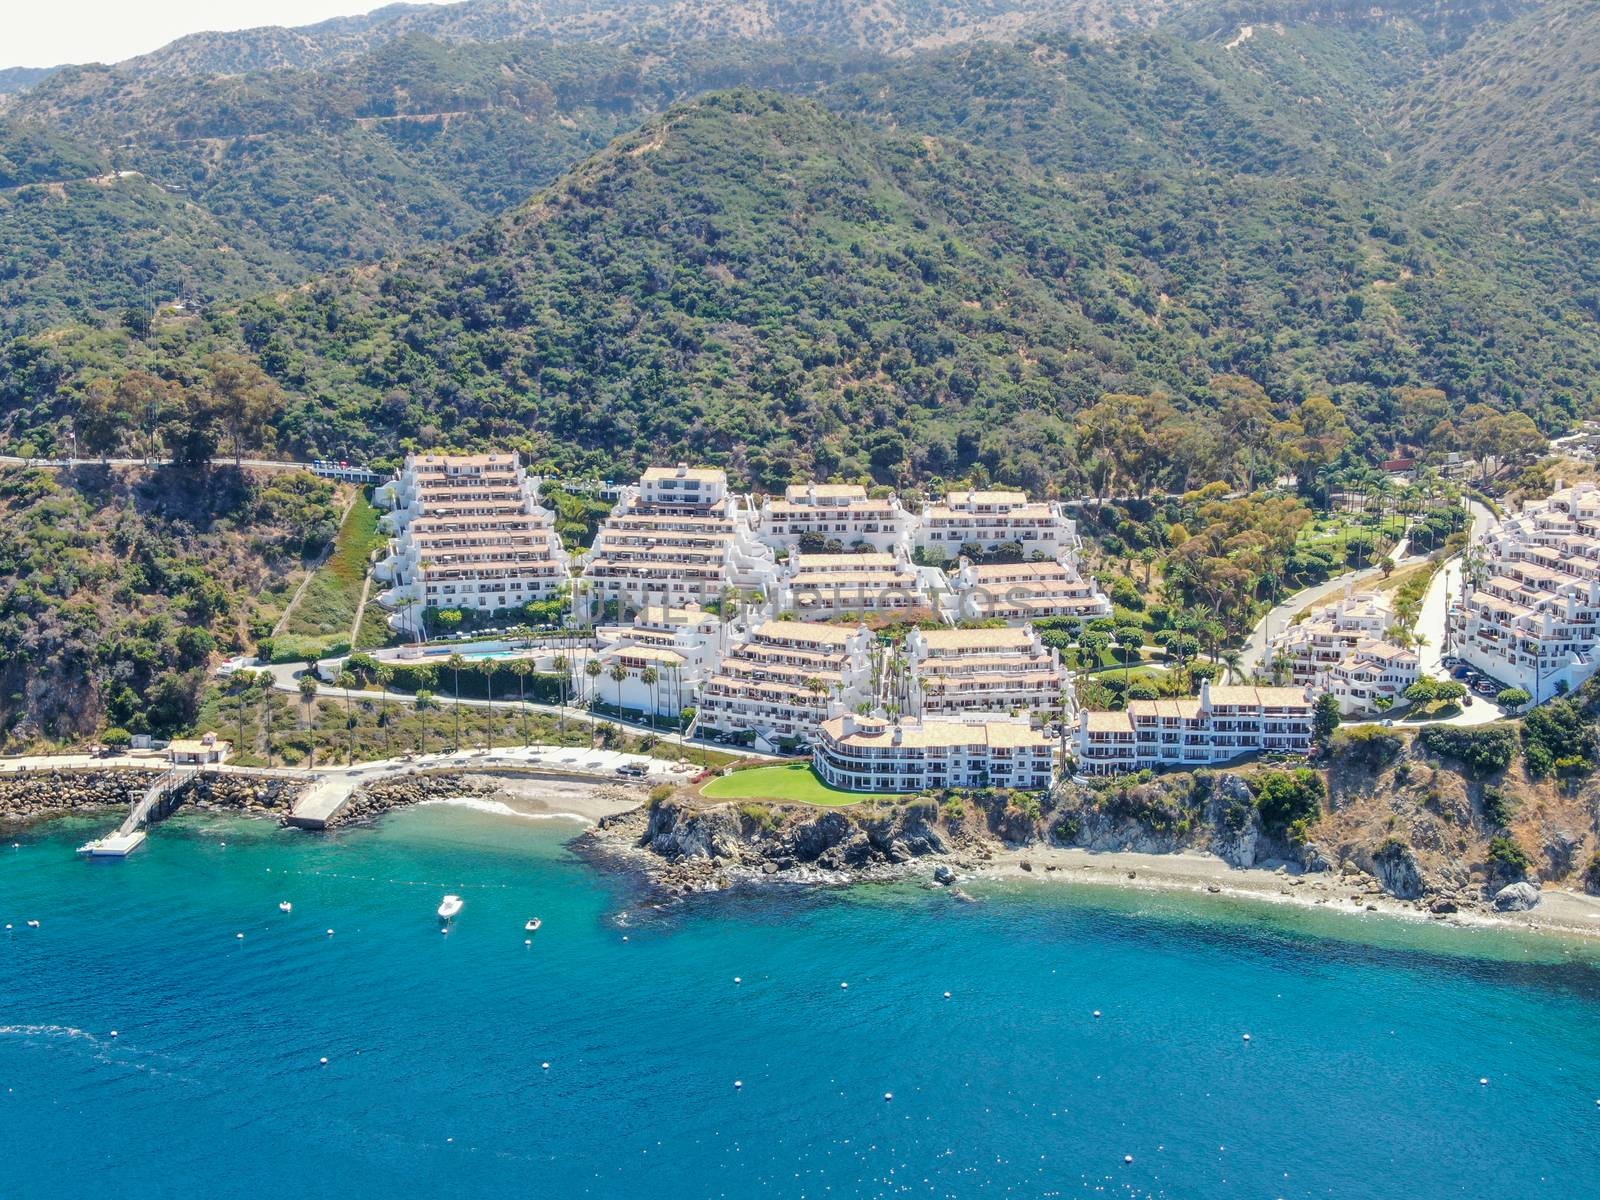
1255,648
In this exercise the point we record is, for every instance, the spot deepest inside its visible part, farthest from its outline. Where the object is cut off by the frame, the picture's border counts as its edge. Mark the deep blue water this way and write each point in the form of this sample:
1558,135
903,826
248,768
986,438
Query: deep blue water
1360,1078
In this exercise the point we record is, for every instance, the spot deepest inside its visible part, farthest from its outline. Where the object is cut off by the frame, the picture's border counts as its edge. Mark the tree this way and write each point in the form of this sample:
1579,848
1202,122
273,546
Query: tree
308,691
619,675
1513,697
455,662
650,677
347,681
384,674
1325,718
521,668
486,668
243,398
593,669
563,669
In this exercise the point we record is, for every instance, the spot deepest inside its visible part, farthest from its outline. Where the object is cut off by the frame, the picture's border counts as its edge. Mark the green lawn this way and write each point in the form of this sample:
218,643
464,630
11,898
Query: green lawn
794,783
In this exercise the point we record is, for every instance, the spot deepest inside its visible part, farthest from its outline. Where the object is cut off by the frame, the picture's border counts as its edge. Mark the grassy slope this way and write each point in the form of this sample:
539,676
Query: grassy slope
327,608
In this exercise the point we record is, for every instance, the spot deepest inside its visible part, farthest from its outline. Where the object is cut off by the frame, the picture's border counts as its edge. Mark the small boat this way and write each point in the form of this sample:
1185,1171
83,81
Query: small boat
449,907
533,925
285,906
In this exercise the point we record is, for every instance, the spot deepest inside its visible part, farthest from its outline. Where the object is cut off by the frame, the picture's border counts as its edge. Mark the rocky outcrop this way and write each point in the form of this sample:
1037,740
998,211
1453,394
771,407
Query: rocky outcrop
1396,869
1235,823
687,846
36,795
1517,897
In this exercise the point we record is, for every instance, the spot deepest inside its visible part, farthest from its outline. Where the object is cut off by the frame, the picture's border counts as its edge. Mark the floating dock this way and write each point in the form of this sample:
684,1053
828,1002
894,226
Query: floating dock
115,845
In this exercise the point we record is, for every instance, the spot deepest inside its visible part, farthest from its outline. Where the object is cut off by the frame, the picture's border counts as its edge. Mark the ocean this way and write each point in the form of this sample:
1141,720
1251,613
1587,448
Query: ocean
146,1050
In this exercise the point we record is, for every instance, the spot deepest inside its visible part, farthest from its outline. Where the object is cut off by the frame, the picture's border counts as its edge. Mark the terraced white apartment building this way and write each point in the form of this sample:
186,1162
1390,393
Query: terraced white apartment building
784,680
1221,724
468,532
839,512
679,536
1533,618
958,672
988,519
1026,591
828,585
1345,648
680,645
871,754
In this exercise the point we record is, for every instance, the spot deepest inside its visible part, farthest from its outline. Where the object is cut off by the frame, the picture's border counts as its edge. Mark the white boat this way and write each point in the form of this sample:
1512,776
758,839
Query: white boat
450,906
533,925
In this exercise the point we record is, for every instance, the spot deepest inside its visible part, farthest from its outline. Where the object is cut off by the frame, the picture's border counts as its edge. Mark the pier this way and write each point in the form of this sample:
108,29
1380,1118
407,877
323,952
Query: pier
158,802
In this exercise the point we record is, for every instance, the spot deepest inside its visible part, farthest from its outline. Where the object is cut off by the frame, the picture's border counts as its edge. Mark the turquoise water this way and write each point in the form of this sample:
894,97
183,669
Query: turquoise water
1360,1078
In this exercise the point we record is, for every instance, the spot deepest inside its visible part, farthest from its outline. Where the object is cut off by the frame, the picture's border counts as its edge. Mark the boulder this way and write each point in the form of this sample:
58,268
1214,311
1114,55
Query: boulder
1442,906
1517,897
942,874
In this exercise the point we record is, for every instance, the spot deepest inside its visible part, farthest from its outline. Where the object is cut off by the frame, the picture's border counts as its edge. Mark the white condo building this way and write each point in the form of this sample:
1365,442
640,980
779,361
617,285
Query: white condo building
468,532
1026,591
680,645
679,536
828,585
870,754
1345,648
1222,723
837,512
784,681
993,518
1534,620
964,671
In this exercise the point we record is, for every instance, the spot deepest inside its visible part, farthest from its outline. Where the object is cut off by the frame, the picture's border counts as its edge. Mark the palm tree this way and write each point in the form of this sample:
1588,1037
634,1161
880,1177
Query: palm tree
347,681
593,670
308,693
520,668
265,710
650,677
619,674
486,668
1232,666
563,669
385,678
455,662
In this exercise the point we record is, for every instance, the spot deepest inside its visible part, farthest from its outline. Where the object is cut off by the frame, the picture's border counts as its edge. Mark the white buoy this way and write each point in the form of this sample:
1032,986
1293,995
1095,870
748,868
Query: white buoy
8,924
624,937
1097,1012
240,936
324,1062
285,906
1484,1082
546,1066
527,941
947,995
35,925
736,979
113,1033
1247,1037
888,1095
1127,1158
738,1083
844,985
330,933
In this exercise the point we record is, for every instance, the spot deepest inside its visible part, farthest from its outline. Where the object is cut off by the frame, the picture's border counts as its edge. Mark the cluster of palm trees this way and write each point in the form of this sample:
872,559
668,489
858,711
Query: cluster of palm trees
1364,488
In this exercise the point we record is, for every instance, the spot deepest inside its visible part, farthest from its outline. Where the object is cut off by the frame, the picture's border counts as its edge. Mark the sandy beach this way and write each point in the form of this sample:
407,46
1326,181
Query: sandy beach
1559,911
578,800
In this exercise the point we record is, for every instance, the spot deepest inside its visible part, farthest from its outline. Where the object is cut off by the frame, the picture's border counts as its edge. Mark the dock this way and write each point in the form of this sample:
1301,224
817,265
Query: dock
158,801
322,802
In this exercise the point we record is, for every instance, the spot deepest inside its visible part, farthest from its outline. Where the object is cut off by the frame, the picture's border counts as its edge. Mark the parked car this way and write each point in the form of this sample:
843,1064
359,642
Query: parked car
633,770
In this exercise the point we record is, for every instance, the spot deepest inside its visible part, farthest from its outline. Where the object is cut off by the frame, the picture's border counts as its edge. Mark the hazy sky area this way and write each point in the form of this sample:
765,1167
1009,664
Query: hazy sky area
78,31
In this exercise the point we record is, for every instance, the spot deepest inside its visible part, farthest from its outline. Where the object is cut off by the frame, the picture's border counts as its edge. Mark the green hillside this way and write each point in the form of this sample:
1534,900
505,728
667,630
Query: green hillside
757,281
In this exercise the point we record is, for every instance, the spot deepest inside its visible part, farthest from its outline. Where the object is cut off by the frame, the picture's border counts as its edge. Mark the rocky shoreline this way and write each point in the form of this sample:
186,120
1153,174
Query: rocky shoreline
685,846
